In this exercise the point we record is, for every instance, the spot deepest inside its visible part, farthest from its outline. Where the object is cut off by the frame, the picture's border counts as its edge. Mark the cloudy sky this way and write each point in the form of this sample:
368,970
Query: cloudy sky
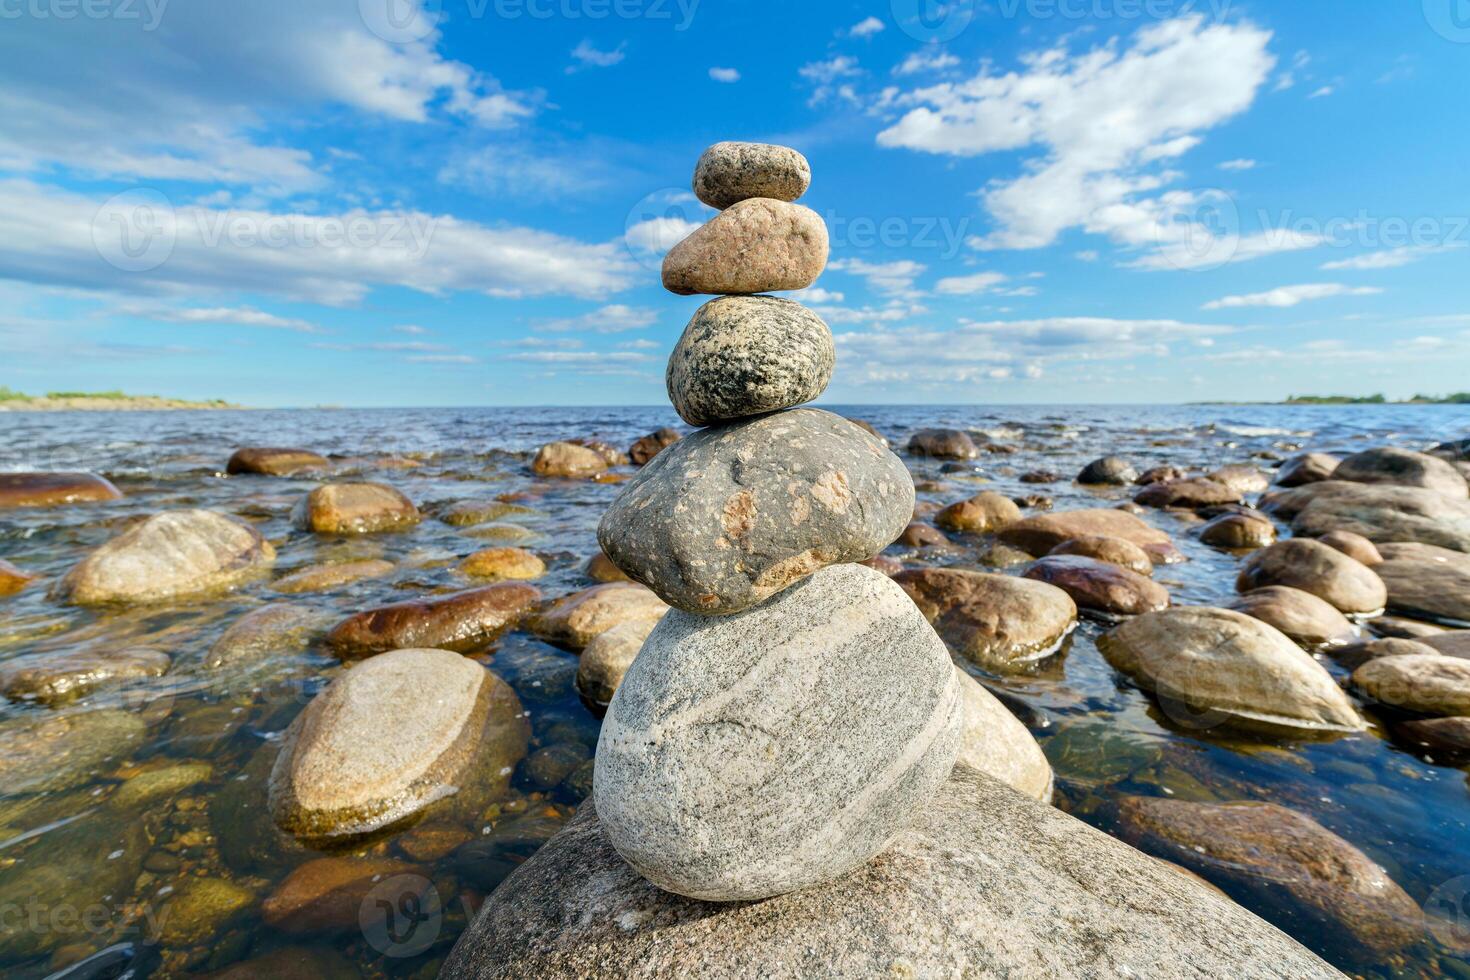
464,202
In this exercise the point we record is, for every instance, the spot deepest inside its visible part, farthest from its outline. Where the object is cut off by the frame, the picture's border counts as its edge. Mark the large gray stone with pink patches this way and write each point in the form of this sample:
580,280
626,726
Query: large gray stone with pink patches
728,517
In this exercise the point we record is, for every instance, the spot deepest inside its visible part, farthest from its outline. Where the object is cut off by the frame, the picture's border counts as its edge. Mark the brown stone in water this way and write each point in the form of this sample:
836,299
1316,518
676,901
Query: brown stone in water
1039,535
274,462
54,489
1100,586
981,514
1124,554
355,508
12,579
464,623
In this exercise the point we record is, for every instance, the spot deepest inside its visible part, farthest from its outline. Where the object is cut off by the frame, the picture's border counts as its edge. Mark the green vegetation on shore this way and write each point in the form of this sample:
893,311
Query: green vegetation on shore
1459,398
10,399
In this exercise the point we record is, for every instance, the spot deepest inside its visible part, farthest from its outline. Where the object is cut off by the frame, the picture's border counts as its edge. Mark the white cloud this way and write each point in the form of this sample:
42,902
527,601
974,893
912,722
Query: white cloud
655,236
867,27
1101,118
185,101
1285,297
1238,165
410,329
968,285
1393,258
47,237
890,278
616,318
505,169
580,357
443,359
826,77
589,56
816,294
1322,92
235,316
726,75
936,59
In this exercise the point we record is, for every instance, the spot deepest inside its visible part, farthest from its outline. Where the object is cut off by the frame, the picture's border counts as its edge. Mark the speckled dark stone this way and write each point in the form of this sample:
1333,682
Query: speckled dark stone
748,355
729,173
729,516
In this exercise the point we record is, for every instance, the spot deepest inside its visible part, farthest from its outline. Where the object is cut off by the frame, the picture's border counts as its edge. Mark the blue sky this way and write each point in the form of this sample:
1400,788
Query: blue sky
464,202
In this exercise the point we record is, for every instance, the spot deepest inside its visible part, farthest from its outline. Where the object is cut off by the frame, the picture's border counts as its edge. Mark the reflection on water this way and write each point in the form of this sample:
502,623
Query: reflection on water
138,811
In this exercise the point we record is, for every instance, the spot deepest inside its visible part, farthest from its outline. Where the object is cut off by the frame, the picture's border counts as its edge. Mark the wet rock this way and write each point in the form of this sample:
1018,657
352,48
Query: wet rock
1437,590
1428,684
1161,474
568,461
547,767
981,514
1109,471
1038,535
355,508
1306,619
918,535
200,910
1413,551
993,741
1229,668
1199,492
610,454
68,878
464,622
1306,468
1242,478
12,579
325,578
170,555
56,752
58,678
430,844
1100,586
54,489
882,563
1040,476
153,785
1116,551
502,564
1351,587
275,462
760,504
651,445
748,355
1238,532
335,894
606,659
1033,501
754,246
468,513
1379,513
752,755
729,173
1277,859
942,444
1400,467
1355,546
292,963
999,622
574,621
1044,902
1399,626
485,863
600,568
270,631
1454,643
1443,734
455,728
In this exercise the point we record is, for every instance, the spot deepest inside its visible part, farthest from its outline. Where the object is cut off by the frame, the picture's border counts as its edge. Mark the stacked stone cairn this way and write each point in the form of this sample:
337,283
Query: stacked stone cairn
794,711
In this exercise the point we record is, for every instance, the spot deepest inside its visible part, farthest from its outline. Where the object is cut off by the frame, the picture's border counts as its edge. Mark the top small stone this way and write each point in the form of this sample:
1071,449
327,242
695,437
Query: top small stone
729,173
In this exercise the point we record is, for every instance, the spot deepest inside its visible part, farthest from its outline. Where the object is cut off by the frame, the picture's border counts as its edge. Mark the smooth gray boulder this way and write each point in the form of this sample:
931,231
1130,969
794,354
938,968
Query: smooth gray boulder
1351,587
1312,622
728,517
993,741
1306,468
1108,471
1377,512
748,355
778,749
392,736
1437,590
730,172
985,883
1229,669
1401,467
170,555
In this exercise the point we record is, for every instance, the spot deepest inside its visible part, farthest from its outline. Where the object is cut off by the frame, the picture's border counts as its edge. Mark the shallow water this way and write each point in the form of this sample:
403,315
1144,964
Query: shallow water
114,870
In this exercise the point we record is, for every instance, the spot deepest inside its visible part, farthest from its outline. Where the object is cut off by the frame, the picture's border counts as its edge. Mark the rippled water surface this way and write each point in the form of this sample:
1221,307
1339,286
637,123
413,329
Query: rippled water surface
82,869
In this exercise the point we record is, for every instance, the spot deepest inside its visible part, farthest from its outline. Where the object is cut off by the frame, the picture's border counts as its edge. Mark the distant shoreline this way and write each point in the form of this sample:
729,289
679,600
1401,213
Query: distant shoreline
109,403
